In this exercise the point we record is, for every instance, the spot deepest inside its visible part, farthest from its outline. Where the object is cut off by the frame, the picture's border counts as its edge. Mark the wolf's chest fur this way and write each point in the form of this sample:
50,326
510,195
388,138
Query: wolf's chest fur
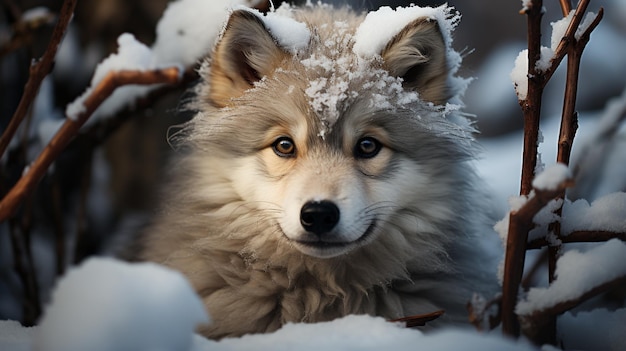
319,181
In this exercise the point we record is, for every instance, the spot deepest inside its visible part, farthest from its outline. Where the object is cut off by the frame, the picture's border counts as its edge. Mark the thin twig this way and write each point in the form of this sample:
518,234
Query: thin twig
569,37
38,71
531,106
10,203
566,7
419,320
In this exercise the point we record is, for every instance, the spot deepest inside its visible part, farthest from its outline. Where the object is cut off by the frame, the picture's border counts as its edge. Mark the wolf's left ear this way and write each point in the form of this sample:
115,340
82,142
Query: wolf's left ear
418,55
245,53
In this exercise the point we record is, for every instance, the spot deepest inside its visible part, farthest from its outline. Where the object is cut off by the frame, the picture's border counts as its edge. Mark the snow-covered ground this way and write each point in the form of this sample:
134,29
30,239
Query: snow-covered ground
105,304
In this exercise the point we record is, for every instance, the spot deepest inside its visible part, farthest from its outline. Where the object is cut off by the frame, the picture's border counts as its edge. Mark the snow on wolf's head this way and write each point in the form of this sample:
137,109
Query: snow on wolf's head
338,140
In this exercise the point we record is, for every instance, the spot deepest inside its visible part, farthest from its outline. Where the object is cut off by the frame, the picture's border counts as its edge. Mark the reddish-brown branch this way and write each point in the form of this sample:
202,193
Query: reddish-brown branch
38,71
569,37
569,117
566,6
531,106
10,203
520,223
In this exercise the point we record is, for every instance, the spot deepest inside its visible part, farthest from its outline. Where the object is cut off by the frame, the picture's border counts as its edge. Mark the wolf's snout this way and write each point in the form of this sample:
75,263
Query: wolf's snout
319,217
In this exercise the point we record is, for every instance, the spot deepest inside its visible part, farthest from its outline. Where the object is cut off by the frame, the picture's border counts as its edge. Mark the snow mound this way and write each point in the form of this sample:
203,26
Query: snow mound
106,304
361,333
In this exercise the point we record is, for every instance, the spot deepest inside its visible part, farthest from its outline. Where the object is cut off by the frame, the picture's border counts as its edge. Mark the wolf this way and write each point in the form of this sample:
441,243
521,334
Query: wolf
325,176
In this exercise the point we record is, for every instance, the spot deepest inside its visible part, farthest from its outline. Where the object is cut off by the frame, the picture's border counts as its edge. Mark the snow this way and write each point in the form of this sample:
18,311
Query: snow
380,26
552,177
364,333
131,55
526,5
36,13
519,74
290,34
186,32
577,273
14,337
607,213
106,304
188,29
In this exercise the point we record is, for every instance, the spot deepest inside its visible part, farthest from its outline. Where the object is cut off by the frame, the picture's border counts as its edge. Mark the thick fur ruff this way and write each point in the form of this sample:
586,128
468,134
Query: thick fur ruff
407,237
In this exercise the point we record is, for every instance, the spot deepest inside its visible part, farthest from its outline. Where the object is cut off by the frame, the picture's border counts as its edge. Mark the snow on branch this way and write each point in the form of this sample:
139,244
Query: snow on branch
114,79
580,276
520,223
535,66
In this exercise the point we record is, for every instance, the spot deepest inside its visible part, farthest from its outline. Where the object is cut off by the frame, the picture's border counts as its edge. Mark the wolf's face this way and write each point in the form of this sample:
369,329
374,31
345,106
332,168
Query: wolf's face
331,149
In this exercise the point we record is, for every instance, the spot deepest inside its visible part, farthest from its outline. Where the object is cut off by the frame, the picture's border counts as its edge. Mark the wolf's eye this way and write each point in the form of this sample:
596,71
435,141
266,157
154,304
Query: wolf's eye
284,147
367,147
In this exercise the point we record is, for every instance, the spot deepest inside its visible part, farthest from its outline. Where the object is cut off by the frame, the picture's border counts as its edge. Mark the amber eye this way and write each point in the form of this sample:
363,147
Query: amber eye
367,147
284,147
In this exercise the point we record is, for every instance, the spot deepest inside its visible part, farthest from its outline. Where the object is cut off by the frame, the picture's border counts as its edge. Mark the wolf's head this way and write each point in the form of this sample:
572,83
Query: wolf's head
330,150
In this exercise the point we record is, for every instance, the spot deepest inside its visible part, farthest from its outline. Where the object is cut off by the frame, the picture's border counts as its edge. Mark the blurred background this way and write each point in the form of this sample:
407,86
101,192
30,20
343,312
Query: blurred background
106,181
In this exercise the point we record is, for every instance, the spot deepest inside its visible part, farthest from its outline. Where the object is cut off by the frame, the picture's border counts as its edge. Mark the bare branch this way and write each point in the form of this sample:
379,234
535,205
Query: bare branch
531,106
38,71
10,203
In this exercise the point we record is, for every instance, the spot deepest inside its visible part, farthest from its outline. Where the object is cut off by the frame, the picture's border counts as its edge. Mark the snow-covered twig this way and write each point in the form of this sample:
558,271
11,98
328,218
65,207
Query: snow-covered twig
38,71
534,324
569,119
520,223
70,128
582,236
570,38
530,91
580,276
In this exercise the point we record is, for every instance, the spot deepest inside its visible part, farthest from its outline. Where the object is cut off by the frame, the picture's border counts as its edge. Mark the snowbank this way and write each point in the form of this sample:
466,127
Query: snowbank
106,304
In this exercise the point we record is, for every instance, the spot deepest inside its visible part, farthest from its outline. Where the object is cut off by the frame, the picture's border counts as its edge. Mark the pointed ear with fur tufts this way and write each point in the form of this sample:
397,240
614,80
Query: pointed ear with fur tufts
418,55
245,53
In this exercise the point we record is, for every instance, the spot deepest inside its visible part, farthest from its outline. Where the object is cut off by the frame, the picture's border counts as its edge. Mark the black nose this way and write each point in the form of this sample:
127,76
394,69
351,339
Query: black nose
319,217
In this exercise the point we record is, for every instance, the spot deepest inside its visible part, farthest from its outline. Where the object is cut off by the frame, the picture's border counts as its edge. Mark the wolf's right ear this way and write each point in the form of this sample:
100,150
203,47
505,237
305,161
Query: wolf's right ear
245,53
